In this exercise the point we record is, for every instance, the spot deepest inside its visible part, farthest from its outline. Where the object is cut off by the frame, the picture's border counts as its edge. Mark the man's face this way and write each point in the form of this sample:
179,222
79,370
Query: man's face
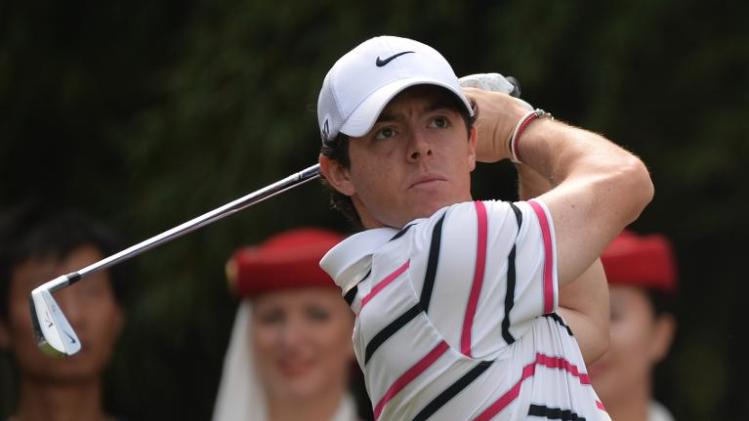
89,305
416,159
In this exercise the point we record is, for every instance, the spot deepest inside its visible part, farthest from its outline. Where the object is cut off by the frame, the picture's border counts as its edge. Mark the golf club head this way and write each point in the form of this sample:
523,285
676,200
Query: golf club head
54,335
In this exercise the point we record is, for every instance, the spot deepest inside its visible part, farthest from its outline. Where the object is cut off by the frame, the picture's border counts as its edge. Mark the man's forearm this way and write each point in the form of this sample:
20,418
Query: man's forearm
530,183
597,188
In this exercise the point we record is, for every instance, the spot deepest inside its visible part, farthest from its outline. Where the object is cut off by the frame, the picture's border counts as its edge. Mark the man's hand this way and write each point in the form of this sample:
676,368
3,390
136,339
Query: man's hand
498,115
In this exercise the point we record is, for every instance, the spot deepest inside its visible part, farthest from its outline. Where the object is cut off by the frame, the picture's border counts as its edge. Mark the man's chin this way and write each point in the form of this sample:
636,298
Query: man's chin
430,207
417,210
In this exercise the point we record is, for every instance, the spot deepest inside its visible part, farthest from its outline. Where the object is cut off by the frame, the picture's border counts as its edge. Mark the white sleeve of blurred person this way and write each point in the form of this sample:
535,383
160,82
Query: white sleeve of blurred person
240,396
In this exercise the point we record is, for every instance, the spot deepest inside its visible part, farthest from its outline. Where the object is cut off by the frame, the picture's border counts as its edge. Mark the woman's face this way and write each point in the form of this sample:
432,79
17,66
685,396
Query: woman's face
639,340
302,341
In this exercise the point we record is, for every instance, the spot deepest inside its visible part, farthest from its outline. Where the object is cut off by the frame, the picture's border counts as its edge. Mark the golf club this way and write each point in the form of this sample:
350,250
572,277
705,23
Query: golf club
54,334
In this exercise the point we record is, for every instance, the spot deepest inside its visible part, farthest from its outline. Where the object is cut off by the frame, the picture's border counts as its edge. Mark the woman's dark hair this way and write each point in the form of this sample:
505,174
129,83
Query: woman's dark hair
662,302
337,150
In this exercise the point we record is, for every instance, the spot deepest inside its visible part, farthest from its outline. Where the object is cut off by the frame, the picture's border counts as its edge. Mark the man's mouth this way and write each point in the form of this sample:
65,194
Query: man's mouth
427,181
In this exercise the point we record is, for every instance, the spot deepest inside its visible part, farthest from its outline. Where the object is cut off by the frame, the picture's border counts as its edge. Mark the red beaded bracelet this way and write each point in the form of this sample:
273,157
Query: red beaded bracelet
520,128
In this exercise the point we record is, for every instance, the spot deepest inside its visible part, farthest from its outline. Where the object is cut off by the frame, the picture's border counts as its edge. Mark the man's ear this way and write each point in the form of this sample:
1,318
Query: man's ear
472,140
336,175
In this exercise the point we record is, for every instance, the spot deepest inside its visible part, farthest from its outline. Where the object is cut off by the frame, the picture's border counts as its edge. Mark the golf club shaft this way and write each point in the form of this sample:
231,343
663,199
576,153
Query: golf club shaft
294,180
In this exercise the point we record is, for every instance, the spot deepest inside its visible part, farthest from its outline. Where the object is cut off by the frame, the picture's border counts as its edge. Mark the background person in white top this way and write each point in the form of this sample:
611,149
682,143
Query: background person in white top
399,145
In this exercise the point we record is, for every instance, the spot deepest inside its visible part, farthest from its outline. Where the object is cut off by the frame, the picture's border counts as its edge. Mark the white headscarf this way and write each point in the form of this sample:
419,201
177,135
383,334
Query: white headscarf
658,412
240,395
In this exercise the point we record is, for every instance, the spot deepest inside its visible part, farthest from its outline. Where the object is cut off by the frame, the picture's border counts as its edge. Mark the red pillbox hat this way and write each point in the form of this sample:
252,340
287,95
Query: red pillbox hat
287,260
641,260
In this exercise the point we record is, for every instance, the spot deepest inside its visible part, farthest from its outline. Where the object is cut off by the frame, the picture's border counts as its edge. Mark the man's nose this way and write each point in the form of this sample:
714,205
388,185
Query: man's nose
419,145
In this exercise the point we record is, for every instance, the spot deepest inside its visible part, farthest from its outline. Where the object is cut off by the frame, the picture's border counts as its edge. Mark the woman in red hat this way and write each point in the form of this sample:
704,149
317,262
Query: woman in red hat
290,353
642,280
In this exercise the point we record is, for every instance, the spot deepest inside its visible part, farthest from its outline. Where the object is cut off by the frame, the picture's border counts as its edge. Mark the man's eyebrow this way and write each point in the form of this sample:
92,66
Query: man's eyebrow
386,117
437,104
441,103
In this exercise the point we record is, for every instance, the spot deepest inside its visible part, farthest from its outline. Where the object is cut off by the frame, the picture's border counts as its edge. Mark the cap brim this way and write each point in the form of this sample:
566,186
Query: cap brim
362,119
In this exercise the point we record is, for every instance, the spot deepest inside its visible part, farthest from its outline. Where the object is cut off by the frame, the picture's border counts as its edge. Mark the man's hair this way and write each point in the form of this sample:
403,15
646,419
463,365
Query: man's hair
337,150
30,231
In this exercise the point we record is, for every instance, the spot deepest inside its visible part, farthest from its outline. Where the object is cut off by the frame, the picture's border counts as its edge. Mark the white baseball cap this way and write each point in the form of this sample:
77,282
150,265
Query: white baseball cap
362,82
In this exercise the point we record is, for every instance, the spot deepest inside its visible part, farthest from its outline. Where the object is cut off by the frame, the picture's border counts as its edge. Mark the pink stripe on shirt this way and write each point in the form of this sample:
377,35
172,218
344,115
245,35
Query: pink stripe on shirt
529,371
383,283
563,364
548,257
478,278
409,375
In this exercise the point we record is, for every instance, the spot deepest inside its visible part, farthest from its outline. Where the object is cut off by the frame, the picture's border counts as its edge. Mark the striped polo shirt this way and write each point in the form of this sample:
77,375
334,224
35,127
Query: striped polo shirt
455,317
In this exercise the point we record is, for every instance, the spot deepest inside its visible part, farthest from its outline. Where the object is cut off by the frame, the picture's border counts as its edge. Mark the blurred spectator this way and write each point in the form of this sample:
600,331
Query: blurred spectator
290,354
641,271
36,246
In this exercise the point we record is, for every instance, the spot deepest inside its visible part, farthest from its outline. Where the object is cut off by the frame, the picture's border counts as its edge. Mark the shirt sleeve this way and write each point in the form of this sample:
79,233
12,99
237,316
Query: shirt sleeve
536,261
493,272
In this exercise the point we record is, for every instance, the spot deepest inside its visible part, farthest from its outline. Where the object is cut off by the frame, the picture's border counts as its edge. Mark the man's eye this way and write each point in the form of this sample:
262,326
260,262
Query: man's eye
385,133
440,123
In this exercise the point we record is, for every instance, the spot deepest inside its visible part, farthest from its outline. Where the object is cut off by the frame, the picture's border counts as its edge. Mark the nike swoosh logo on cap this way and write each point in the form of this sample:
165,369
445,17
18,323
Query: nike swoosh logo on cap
380,62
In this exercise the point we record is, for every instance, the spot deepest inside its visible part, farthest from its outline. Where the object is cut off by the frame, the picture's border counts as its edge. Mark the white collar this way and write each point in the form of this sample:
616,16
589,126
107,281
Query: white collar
349,261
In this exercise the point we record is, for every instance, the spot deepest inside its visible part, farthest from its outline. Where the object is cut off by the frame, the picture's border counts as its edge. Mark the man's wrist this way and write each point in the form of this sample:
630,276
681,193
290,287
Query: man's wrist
513,143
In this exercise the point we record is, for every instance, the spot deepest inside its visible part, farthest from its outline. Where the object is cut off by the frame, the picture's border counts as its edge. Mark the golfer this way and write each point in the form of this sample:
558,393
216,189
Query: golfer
468,309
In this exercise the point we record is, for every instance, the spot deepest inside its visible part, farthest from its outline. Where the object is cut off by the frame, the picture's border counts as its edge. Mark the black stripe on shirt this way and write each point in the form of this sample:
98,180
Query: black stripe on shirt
426,294
511,281
389,330
434,257
452,391
518,215
509,297
401,232
556,318
351,294
554,413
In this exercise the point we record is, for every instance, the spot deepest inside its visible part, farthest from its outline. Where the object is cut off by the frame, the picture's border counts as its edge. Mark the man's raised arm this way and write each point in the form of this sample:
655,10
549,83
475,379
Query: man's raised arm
597,187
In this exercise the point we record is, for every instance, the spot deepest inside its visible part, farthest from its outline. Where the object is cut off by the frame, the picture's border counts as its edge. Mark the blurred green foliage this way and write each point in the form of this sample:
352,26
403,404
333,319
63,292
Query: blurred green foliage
150,113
